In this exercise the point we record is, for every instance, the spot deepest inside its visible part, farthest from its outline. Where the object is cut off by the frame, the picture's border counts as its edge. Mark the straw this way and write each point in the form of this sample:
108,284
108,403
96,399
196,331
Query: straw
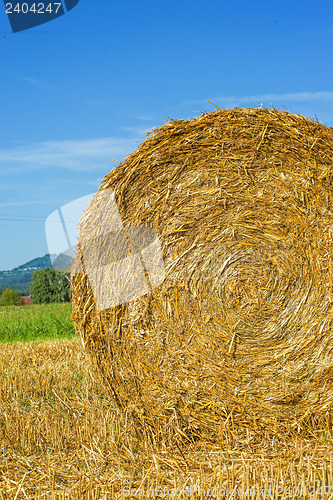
240,331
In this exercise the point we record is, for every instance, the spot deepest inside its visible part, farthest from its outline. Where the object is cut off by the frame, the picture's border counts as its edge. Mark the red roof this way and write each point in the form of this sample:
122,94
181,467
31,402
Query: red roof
27,301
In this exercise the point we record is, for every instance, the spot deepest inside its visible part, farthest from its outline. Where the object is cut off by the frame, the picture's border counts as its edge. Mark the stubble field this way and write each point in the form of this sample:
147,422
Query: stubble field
61,438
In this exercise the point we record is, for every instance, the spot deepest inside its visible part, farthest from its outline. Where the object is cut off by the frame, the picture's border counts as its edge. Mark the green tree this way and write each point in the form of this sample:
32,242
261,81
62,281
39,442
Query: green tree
49,285
9,297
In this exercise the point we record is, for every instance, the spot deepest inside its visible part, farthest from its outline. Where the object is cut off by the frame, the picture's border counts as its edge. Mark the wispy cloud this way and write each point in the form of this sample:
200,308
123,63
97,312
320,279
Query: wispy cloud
142,131
299,97
25,203
75,155
33,82
147,117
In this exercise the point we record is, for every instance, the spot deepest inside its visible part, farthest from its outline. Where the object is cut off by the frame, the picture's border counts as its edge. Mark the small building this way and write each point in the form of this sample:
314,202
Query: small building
27,301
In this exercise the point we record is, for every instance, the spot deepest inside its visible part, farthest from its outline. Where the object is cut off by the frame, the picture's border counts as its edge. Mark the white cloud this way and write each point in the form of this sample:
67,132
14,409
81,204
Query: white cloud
142,131
25,203
33,82
304,97
74,155
143,117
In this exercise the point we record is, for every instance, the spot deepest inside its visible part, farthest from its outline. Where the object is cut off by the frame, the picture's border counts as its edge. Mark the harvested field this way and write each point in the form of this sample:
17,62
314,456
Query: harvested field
60,439
239,334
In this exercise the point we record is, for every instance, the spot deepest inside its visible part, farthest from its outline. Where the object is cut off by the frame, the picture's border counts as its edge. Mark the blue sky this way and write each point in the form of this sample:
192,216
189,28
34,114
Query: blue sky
79,93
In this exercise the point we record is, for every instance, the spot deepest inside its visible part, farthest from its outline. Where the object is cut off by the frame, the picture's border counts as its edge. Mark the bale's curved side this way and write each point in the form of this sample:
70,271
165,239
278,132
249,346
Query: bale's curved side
241,327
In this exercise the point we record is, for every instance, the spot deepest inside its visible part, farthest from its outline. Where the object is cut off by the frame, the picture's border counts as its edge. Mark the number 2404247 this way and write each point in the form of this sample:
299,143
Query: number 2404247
35,8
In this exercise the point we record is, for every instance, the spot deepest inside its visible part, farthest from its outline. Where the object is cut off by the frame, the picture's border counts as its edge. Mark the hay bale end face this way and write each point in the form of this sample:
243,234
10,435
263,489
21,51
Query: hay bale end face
241,326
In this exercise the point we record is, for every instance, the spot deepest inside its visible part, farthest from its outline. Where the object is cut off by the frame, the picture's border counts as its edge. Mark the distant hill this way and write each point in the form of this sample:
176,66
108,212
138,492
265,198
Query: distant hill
18,278
34,264
62,262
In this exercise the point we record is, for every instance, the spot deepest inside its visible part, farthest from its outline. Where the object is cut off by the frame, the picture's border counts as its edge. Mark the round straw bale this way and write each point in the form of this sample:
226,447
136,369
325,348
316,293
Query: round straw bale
241,327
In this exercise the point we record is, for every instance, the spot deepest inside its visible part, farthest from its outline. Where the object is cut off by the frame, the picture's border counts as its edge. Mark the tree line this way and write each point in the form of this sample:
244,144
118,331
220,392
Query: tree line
47,285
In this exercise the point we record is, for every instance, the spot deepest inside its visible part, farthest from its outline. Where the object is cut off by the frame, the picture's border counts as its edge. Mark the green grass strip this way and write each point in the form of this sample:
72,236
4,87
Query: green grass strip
38,322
